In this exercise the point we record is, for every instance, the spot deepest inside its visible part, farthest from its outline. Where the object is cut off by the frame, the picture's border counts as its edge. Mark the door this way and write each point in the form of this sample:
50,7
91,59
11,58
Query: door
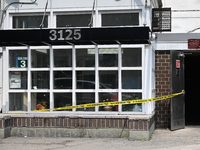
177,85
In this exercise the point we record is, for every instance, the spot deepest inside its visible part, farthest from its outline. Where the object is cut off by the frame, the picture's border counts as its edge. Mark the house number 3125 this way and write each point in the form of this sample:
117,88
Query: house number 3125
63,34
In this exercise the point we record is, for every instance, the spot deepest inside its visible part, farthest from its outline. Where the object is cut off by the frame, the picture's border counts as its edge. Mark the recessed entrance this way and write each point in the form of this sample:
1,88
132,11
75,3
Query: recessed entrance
192,88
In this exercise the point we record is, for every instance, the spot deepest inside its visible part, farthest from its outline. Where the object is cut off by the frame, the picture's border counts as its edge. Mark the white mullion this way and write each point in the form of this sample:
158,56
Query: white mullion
74,77
119,77
96,78
51,95
29,78
5,93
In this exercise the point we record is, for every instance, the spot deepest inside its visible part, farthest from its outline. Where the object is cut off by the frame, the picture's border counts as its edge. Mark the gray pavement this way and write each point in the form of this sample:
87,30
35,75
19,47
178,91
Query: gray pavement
162,139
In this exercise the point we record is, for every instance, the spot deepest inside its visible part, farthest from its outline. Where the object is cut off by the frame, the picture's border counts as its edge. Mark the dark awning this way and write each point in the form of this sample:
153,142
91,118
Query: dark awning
75,36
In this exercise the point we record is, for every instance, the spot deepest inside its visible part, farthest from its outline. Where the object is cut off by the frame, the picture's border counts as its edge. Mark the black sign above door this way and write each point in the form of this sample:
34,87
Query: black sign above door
75,36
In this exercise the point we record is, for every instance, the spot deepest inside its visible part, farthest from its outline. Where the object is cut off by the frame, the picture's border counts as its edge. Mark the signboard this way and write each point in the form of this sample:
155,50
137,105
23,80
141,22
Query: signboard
178,64
193,43
161,19
15,80
75,36
21,61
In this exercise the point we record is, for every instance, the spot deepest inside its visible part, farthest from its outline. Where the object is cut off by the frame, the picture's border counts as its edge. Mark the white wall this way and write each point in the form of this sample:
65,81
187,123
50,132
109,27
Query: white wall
185,15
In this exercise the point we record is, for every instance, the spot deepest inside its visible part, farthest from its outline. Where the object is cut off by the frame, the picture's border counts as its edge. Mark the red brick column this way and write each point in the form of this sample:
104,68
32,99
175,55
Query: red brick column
162,88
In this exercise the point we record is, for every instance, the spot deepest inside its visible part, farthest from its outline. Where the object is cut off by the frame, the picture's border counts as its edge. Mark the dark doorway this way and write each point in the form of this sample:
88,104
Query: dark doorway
192,88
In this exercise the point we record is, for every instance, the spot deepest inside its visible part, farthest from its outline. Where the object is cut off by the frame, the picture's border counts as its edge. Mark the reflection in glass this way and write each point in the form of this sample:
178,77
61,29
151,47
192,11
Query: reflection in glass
62,57
63,100
85,79
85,57
131,57
18,102
39,101
131,79
85,98
108,57
132,107
40,58
108,97
62,79
40,79
18,59
108,79
18,80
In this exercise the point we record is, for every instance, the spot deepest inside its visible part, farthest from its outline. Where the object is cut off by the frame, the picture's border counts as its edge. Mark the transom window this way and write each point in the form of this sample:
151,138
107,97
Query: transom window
120,19
34,21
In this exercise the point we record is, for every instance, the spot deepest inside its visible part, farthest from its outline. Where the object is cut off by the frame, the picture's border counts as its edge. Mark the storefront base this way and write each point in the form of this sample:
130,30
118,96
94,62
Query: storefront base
132,127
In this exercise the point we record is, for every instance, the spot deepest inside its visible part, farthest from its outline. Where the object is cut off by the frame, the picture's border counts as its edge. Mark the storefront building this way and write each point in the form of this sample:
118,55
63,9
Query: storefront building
59,53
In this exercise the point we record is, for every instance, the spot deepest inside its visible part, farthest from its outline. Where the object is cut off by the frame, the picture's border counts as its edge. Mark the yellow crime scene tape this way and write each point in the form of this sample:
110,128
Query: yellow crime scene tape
112,103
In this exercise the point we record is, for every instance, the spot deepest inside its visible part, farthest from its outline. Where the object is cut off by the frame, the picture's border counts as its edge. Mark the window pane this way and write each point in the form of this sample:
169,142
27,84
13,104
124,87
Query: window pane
108,57
40,80
85,98
85,57
18,102
62,58
108,79
131,79
62,80
40,58
79,20
39,101
108,97
132,107
18,59
85,79
29,21
120,19
131,57
18,80
63,100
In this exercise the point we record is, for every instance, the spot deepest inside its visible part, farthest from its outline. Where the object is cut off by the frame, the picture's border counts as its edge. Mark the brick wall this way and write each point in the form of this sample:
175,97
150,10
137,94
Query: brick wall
162,88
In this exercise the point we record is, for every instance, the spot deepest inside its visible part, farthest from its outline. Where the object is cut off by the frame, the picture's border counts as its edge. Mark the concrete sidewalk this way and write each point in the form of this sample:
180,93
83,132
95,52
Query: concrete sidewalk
185,139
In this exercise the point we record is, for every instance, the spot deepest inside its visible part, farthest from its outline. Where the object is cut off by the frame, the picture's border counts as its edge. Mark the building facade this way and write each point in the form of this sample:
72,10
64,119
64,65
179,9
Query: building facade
59,53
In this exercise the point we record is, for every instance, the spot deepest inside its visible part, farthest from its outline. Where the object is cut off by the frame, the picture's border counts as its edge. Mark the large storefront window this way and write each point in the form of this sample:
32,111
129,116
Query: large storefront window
75,75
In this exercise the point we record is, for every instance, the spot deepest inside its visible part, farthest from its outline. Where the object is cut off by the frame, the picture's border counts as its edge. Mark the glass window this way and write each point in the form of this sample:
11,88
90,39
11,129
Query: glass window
108,57
120,19
40,58
108,97
75,20
18,102
132,107
40,79
62,58
131,57
85,57
108,79
85,98
131,79
63,100
62,79
39,101
18,80
18,59
29,21
85,79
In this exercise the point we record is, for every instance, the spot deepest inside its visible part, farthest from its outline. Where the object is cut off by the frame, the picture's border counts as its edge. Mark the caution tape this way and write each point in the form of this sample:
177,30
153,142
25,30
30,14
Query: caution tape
112,103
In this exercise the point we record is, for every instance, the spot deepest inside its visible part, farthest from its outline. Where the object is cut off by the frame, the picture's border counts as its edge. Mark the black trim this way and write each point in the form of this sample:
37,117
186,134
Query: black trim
89,36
